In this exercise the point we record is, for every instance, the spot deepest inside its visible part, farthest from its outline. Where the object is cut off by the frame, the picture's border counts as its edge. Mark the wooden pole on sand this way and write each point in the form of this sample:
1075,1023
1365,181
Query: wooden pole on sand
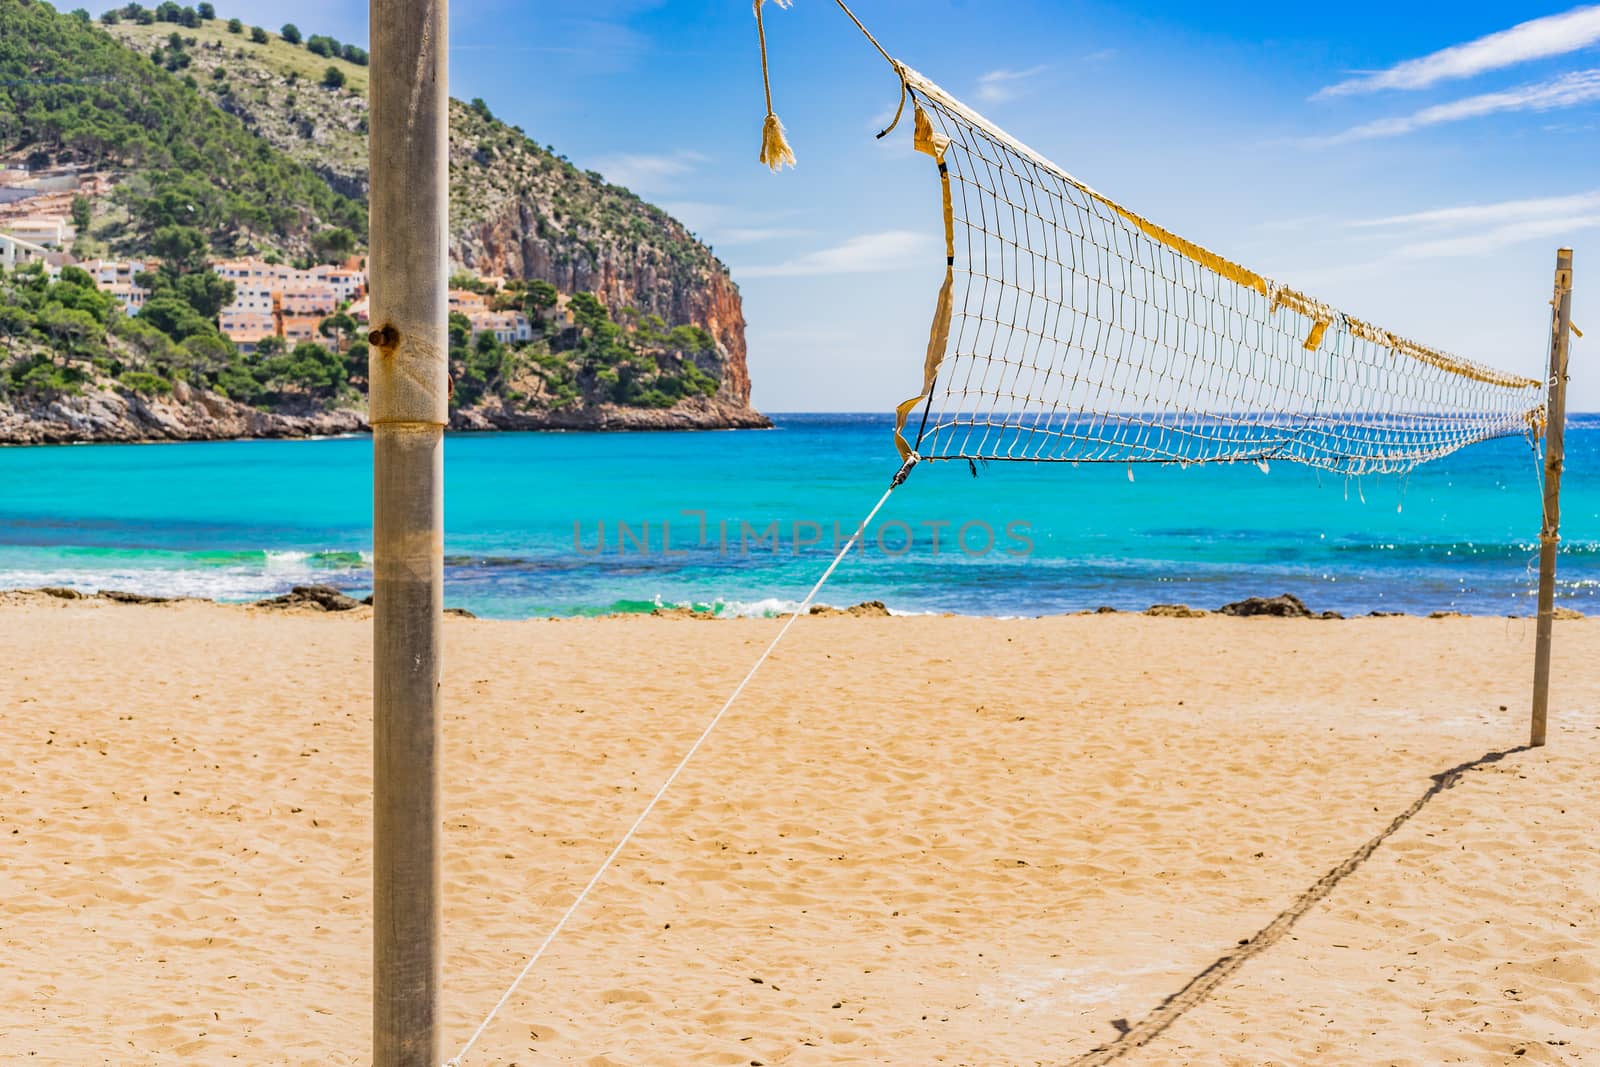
1554,453
408,409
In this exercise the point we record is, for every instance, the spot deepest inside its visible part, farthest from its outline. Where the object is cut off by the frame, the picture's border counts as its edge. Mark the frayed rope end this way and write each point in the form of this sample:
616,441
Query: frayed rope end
775,150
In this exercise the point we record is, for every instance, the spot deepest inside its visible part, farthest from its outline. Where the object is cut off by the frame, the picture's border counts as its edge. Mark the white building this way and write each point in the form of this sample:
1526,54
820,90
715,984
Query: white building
247,328
15,252
507,326
276,294
346,284
116,277
52,231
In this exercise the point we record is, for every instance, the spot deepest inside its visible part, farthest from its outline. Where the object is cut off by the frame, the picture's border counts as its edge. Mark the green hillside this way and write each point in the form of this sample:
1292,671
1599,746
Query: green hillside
208,137
280,91
70,93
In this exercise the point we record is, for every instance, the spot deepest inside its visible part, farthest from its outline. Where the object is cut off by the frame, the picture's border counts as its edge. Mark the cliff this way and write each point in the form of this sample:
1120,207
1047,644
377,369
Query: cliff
236,141
507,242
107,413
518,209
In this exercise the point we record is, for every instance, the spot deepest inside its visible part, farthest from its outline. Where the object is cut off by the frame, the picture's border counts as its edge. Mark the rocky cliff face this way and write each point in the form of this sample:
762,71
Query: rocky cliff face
515,241
108,414
519,211
692,413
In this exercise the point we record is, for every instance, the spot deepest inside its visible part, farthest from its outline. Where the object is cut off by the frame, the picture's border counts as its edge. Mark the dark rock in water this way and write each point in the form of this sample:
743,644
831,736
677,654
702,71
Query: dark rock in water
1447,615
324,597
1330,615
367,600
1386,614
1286,606
682,612
1176,611
134,598
1105,609
868,609
60,592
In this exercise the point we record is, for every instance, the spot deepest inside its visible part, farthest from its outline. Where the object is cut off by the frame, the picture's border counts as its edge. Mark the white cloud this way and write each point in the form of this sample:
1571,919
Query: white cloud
725,225
1000,85
865,254
1540,38
1479,229
750,235
640,172
1490,240
1503,213
1569,90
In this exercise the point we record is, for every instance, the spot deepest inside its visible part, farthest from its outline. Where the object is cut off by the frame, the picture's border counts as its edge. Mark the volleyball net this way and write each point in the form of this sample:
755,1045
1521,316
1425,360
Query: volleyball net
1072,329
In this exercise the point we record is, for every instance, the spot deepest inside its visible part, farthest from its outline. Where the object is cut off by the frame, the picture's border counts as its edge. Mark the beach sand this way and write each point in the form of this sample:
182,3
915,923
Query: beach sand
914,841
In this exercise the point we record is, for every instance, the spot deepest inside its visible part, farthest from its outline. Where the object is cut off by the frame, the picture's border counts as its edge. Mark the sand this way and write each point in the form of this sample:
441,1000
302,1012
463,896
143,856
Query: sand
916,841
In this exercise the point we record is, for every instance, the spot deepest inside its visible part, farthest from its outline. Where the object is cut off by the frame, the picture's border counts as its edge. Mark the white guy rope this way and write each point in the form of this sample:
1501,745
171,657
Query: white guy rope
805,605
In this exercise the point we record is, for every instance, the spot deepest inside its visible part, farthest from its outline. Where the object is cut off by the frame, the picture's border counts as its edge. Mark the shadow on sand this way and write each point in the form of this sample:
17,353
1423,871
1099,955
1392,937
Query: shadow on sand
1197,989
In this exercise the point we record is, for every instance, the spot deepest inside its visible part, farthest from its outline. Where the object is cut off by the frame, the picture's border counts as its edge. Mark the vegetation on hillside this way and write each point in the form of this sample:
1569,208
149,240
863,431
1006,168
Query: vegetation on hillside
69,91
63,336
283,91
208,129
581,215
638,362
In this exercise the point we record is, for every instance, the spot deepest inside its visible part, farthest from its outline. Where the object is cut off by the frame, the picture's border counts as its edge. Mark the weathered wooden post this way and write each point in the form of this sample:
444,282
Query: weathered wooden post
1550,534
408,408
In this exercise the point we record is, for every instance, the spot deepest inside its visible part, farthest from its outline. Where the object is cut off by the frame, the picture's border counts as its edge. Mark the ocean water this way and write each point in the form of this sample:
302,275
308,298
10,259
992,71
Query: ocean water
744,521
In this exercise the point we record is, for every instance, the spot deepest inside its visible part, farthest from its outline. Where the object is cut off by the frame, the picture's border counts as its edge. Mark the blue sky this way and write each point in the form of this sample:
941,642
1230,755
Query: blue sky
1415,165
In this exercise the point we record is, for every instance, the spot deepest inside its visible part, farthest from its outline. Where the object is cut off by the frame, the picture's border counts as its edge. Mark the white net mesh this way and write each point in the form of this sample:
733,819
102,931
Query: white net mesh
1071,329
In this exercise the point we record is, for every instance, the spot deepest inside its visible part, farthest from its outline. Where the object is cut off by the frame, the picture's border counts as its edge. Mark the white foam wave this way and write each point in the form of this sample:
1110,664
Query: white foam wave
210,584
764,608
244,580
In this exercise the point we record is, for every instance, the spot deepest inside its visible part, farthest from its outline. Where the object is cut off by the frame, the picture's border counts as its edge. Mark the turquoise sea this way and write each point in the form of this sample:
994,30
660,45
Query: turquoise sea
744,521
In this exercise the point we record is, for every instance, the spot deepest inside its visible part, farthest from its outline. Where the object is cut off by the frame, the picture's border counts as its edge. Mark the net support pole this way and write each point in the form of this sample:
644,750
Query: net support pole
408,408
1554,454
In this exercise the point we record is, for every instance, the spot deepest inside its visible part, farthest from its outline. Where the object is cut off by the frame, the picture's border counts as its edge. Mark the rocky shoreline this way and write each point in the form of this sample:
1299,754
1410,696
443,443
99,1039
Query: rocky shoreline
186,414
697,413
107,416
325,598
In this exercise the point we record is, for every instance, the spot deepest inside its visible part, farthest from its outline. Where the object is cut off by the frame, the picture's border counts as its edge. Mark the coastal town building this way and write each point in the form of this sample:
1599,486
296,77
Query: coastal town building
51,231
271,299
129,297
298,328
466,301
278,300
507,326
251,298
115,271
316,298
247,329
254,271
347,283
117,278
15,252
